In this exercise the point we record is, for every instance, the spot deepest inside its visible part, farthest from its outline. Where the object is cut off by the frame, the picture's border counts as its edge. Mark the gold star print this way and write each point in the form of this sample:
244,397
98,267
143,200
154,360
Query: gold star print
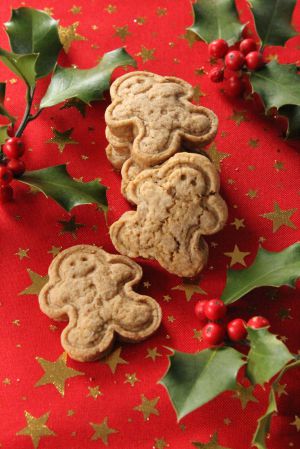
147,407
280,389
171,318
56,373
227,421
110,9
147,284
6,381
146,54
191,38
22,253
70,412
251,167
94,392
152,353
69,34
36,428
37,283
76,9
49,11
251,193
278,165
238,117
140,20
122,32
212,444
272,57
244,394
197,94
237,256
16,323
189,289
160,12
131,379
197,334
216,156
55,250
114,359
70,226
200,72
102,431
280,217
160,443
238,223
253,143
62,138
167,298
296,423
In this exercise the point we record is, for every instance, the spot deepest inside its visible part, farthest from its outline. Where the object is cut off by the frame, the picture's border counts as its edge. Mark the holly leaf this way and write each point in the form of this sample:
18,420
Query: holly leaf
215,19
271,269
3,134
33,31
3,110
22,65
273,20
86,85
292,113
194,379
58,184
266,357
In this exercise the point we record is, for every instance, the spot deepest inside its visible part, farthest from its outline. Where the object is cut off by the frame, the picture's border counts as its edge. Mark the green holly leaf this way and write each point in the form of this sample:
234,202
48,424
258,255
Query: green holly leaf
3,134
273,20
22,65
215,19
58,184
271,269
3,110
194,379
33,31
292,113
266,357
86,85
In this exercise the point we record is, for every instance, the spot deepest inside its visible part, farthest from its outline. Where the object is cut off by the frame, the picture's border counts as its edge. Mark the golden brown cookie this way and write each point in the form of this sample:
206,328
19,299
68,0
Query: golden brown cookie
94,291
177,203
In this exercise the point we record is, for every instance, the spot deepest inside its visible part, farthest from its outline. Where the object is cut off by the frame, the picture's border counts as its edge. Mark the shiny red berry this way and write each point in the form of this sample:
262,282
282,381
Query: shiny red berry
236,329
216,75
258,321
17,166
234,60
215,309
199,310
248,45
254,60
213,333
13,148
6,175
218,48
234,86
6,194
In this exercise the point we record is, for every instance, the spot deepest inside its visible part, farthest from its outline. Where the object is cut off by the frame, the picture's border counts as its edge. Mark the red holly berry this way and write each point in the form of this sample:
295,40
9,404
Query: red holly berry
236,329
17,166
258,321
234,60
6,194
6,175
248,45
13,148
213,333
216,75
218,48
234,86
254,60
215,309
199,310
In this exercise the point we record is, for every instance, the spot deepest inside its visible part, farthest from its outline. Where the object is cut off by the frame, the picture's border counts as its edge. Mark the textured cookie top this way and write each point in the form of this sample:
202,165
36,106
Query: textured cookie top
160,114
93,289
177,203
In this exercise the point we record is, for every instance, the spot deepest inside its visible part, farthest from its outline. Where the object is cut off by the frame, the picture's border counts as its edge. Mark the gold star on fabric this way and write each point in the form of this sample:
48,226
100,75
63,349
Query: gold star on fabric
227,421
280,389
278,165
272,57
238,223
160,12
140,20
244,394
160,443
284,314
147,407
212,444
238,117
167,298
56,373
69,34
36,428
197,334
70,226
253,143
62,138
122,32
296,423
131,379
16,323
251,193
147,284
191,38
114,359
37,283
197,94
280,217
146,54
189,289
102,431
94,392
152,353
216,156
70,413
76,9
48,11
55,250
22,253
237,256
171,318
110,9
6,381
251,167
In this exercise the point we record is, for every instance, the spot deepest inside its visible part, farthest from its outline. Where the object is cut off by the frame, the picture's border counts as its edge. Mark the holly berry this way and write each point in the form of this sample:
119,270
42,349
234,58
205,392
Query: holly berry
13,148
248,45
199,310
6,194
216,75
218,48
234,86
257,322
236,329
6,175
213,333
17,166
254,60
234,60
215,309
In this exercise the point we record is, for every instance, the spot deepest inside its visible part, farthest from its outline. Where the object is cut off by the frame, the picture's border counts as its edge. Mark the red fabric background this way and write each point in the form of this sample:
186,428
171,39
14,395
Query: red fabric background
32,222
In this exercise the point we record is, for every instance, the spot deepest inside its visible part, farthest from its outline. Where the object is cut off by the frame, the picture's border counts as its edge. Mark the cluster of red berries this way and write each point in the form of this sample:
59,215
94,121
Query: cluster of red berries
235,61
211,312
11,166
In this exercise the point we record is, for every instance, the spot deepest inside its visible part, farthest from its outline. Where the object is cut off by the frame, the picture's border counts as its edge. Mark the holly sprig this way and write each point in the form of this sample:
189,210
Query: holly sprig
34,49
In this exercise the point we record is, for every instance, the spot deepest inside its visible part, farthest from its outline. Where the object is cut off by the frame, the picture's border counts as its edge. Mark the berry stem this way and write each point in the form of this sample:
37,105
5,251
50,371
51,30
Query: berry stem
26,116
